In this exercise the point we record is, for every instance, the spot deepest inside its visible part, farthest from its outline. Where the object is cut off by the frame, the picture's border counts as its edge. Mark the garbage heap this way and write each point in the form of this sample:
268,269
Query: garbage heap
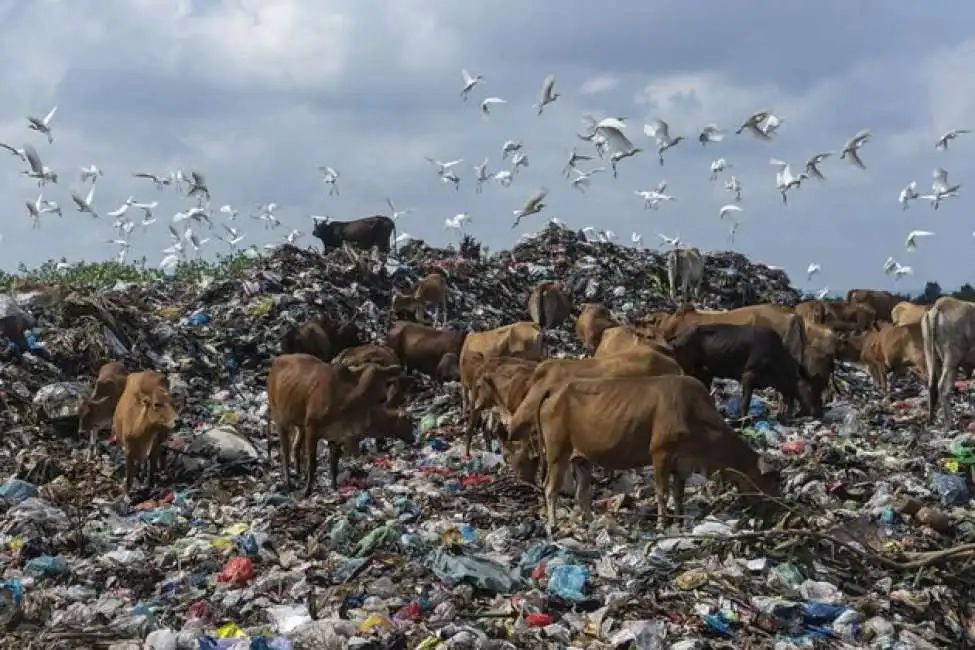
426,547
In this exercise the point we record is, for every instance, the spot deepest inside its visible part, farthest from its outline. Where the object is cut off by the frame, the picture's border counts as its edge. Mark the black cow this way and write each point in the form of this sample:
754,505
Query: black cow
361,233
752,354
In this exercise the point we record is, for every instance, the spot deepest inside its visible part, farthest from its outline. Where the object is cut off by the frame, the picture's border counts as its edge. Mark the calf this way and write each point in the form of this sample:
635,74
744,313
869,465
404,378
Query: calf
500,386
890,349
321,401
143,419
96,412
592,322
423,348
320,337
626,423
383,422
362,233
432,290
752,354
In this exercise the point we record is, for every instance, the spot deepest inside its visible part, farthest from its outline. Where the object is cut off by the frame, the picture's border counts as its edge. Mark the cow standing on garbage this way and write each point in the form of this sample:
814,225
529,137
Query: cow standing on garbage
432,291
143,419
97,412
365,233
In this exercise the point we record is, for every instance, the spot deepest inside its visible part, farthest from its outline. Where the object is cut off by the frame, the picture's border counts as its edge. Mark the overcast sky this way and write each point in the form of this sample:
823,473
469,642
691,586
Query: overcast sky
256,93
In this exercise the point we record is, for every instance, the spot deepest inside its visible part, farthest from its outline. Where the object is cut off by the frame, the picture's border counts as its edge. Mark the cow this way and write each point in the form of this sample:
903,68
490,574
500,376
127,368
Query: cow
625,423
948,334
837,315
624,340
143,419
548,306
509,377
594,319
431,290
362,233
321,401
424,348
96,412
907,313
687,267
890,348
522,339
383,422
883,302
360,355
752,354
320,337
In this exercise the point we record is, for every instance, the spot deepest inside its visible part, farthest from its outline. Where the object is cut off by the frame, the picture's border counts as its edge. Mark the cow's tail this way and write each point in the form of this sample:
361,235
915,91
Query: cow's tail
538,441
929,332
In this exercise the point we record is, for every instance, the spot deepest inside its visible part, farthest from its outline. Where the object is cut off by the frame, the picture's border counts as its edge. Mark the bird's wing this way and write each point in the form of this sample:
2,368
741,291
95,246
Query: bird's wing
33,159
91,195
50,116
467,76
781,164
548,85
616,140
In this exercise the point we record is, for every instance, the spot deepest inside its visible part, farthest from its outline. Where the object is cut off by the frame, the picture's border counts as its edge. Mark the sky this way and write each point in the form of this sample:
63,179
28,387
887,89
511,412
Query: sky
257,93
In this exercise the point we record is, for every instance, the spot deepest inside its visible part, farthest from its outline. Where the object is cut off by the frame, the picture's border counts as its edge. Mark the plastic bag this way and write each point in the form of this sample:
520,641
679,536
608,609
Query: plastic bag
567,581
476,570
951,488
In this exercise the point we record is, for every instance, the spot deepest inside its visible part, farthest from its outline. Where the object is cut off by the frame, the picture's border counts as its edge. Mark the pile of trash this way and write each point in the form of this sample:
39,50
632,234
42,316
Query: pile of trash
426,547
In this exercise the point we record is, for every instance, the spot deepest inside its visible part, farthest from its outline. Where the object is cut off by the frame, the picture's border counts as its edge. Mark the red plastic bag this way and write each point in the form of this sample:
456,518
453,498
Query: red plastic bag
539,620
238,571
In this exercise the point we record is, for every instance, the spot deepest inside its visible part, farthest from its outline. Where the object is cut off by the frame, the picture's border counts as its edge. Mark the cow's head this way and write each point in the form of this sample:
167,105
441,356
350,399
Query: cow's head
328,233
523,459
158,409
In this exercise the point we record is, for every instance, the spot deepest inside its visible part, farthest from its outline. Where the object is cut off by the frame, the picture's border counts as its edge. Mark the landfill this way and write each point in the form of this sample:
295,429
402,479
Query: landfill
424,546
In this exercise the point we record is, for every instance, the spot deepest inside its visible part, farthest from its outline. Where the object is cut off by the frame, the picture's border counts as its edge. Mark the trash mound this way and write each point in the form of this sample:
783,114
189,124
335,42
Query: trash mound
426,547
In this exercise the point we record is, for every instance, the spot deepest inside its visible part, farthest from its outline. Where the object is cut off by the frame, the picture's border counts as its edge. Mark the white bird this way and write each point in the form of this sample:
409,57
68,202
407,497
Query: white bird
892,266
481,176
670,241
331,178
394,213
200,215
443,168
574,157
911,242
51,206
42,125
457,222
235,237
718,166
653,198
510,146
533,205
607,236
90,173
488,103
590,233
159,181
170,262
660,131
582,178
822,293
176,179
20,153
450,177
146,222
784,179
753,122
548,94
812,165
469,83
812,270
294,236
939,182
229,211
637,240
942,143
734,186
728,209
504,178
518,160
123,245
35,209
909,193
84,204
122,209
853,145
42,173
195,242
198,185
710,133
771,125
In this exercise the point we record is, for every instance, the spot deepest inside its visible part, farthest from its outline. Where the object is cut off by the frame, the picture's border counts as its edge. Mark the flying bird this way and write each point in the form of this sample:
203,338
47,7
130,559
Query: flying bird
394,213
728,209
450,177
84,203
20,153
734,186
852,147
503,178
660,131
812,270
457,222
122,209
509,147
812,165
443,167
942,143
637,240
574,157
90,173
533,205
911,242
481,176
42,125
488,103
909,193
229,211
518,160
582,178
198,186
718,166
670,241
753,121
159,181
785,180
469,83
710,133
331,178
37,170
548,94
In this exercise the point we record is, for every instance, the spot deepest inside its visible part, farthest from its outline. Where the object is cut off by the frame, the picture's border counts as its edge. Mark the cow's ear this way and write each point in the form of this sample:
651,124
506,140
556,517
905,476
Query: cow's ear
146,401
766,466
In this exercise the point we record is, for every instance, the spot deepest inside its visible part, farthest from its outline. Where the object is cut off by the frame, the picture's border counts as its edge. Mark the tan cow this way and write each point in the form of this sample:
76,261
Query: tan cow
624,340
907,313
510,378
321,401
143,419
883,302
548,306
424,348
592,322
891,348
522,340
626,423
837,315
432,291
948,333
687,267
96,412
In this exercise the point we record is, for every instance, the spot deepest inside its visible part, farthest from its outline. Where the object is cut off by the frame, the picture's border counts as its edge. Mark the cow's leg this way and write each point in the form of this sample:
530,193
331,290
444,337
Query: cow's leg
334,454
473,419
420,312
130,469
92,442
489,431
661,479
284,453
582,469
933,373
949,367
298,451
310,438
747,388
553,483
679,483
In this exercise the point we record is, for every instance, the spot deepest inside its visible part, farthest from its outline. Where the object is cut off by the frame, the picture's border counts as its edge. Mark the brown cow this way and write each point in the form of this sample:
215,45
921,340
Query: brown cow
548,306
143,419
948,333
321,401
752,354
321,338
625,423
624,340
891,348
510,378
96,412
882,301
369,353
431,290
522,340
383,422
424,348
837,314
592,322
907,313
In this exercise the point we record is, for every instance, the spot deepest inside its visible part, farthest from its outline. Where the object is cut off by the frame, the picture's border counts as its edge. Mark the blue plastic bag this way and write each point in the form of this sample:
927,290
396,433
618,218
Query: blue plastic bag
567,581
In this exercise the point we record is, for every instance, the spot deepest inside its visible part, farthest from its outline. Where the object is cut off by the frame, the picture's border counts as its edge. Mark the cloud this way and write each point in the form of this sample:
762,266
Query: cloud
257,93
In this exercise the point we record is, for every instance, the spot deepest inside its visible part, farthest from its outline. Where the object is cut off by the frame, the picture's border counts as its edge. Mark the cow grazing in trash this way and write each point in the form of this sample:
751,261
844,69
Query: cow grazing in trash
364,233
143,419
96,412
430,291
320,337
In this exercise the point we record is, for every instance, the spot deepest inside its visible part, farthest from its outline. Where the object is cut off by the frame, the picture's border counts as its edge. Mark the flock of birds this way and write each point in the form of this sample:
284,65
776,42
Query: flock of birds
607,137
